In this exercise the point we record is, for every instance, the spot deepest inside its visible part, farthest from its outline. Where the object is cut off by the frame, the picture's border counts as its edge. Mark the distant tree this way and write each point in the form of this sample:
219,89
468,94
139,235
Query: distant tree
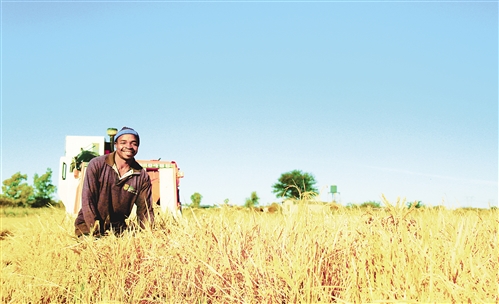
252,200
196,200
17,191
44,190
294,184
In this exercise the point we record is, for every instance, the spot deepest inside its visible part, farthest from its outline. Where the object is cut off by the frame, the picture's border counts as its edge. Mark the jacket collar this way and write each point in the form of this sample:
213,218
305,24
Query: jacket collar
134,165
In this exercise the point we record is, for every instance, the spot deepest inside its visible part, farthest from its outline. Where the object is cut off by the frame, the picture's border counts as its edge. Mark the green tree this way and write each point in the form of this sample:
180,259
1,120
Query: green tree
17,191
44,189
294,184
252,200
196,200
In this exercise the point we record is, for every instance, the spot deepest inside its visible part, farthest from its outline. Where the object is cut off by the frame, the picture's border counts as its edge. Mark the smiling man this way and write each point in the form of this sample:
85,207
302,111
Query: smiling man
113,184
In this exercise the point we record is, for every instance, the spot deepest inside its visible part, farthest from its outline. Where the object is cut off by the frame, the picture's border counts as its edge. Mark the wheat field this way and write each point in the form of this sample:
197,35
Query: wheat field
235,255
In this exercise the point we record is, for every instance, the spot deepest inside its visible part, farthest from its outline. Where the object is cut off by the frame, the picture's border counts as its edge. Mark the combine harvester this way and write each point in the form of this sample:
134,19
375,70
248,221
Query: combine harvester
165,175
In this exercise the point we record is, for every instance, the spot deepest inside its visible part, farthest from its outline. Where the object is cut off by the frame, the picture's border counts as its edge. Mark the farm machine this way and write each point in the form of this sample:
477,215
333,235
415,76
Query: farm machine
165,175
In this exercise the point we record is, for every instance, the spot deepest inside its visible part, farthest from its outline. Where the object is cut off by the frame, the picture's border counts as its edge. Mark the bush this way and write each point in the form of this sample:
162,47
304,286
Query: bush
416,204
370,204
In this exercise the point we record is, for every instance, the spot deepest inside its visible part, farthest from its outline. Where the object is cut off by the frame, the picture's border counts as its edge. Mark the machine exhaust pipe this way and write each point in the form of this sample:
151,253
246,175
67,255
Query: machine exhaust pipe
111,132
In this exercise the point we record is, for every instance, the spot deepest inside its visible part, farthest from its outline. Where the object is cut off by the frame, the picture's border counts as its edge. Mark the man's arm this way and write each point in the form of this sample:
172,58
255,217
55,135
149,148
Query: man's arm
90,194
145,210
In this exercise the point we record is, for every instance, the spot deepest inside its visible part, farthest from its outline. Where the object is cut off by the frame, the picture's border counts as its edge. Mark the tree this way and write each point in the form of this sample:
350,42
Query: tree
44,189
252,201
196,200
294,184
17,190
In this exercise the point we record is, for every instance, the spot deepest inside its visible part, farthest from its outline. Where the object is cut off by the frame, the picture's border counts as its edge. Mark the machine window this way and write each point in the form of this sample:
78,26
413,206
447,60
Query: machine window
64,169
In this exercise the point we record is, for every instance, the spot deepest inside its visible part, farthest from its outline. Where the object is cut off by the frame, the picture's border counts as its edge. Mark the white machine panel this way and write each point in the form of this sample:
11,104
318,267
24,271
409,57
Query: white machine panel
168,191
68,184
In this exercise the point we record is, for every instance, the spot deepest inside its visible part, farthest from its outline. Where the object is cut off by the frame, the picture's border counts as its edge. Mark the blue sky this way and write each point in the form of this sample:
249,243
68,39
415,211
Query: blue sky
394,98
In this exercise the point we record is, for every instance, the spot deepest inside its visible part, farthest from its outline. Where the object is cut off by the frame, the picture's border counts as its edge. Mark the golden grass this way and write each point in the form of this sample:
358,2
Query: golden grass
235,256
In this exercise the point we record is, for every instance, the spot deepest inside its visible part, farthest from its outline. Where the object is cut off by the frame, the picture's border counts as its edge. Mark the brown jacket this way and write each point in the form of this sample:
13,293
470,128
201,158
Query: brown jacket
108,200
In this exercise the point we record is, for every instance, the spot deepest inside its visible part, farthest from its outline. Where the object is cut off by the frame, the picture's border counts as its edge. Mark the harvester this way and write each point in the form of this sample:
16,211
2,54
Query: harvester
165,175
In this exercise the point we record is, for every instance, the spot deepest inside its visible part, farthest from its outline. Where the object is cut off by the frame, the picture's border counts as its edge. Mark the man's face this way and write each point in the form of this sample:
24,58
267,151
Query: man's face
127,146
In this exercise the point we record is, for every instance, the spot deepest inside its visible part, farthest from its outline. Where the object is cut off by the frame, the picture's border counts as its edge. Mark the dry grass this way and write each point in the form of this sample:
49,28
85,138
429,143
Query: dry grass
237,256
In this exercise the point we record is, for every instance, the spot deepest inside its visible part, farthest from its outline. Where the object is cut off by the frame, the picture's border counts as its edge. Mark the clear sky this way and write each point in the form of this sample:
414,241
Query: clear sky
397,98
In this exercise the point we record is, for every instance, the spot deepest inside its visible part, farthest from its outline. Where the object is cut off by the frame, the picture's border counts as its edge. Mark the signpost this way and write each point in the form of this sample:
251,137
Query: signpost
333,190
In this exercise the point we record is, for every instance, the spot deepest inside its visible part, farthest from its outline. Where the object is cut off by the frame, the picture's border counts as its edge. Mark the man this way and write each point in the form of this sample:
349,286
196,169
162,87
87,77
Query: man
113,184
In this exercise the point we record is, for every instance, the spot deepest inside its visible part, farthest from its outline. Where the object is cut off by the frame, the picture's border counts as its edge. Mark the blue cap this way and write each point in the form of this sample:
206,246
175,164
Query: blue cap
127,130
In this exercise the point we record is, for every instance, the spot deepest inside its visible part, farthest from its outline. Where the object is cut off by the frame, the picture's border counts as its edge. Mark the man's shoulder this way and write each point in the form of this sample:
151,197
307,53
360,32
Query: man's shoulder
136,166
139,170
100,158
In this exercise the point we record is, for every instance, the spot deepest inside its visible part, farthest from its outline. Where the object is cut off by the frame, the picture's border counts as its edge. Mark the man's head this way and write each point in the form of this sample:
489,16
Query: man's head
127,143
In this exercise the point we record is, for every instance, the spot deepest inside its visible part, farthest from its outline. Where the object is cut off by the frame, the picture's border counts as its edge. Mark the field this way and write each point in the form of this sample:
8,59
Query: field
233,255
